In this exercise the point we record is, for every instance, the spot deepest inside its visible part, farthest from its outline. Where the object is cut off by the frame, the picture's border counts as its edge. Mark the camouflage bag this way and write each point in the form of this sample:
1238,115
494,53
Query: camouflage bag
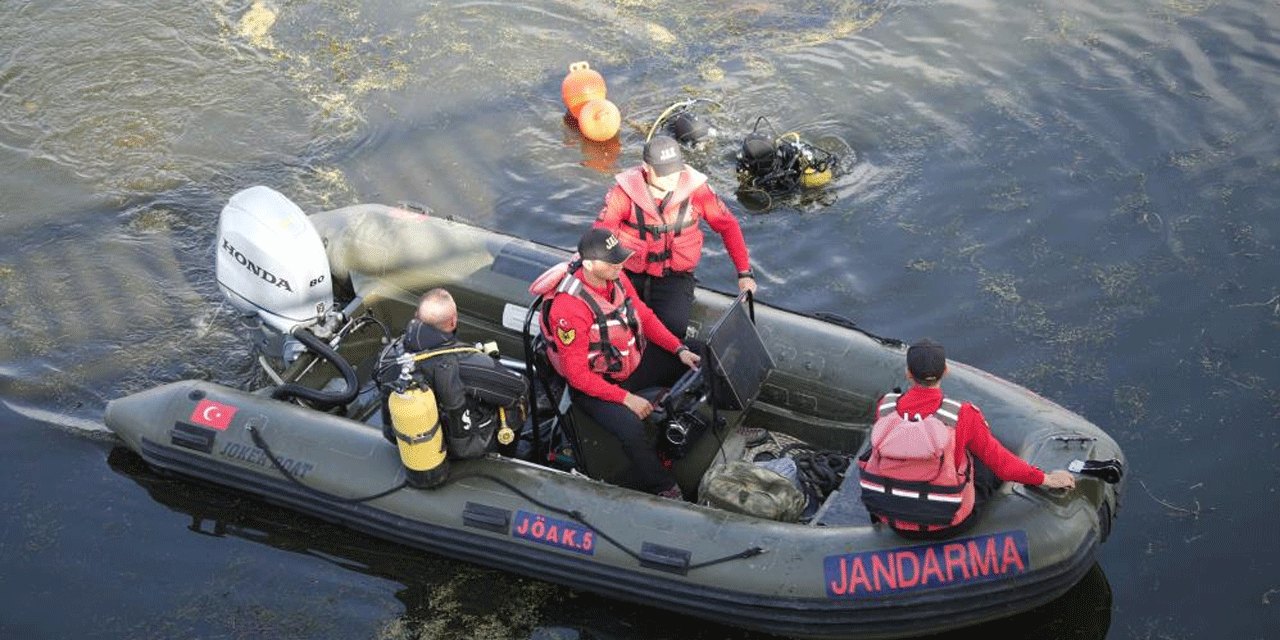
743,487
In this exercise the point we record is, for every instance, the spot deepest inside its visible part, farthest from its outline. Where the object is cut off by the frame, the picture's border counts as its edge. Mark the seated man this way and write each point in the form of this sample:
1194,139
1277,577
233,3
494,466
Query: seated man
948,489
477,397
596,329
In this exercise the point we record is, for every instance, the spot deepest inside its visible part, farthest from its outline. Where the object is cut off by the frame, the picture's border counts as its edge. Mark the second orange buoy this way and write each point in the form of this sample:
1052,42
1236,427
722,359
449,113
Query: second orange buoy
599,120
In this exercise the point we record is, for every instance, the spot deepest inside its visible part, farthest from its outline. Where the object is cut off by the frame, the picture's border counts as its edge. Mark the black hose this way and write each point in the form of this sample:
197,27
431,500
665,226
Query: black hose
322,400
538,376
534,378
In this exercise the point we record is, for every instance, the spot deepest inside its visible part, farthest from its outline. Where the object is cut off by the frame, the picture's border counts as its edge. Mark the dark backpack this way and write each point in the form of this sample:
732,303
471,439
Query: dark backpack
497,405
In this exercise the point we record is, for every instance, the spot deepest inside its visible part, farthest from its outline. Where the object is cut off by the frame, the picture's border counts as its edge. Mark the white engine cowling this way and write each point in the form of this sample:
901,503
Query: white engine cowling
271,261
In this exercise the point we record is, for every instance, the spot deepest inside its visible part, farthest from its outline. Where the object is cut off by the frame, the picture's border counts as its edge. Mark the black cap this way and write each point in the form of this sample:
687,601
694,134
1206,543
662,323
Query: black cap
663,154
926,361
601,244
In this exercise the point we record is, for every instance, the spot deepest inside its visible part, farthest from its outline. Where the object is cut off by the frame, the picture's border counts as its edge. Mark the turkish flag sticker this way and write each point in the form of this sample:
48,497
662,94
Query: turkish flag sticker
213,414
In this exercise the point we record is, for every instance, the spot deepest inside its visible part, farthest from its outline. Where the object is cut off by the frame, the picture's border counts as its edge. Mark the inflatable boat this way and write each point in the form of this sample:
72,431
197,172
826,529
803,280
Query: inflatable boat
324,293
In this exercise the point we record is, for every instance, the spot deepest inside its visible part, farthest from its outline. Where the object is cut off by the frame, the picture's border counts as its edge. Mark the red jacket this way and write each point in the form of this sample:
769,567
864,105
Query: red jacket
972,433
678,247
571,323
615,342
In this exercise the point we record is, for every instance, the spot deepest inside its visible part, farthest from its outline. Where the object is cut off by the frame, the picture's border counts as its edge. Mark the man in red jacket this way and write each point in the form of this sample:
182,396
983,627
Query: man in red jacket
655,209
926,365
596,329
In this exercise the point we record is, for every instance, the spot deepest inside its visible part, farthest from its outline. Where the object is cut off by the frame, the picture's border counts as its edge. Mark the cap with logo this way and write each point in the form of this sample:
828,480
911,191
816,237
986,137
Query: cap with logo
664,155
601,244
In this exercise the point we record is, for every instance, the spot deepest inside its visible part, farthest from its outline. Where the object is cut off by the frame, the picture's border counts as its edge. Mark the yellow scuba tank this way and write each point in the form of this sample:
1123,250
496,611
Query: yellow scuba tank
415,419
812,178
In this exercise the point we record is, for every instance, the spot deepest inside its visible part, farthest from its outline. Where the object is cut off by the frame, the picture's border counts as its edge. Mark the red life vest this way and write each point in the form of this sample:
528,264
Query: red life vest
615,341
910,477
665,236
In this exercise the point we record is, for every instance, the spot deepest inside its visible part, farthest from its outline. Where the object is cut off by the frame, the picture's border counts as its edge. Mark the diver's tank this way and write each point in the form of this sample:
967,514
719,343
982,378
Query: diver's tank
419,434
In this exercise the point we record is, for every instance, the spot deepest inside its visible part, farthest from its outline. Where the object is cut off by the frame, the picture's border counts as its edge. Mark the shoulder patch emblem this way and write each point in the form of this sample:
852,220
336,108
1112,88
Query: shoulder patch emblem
566,336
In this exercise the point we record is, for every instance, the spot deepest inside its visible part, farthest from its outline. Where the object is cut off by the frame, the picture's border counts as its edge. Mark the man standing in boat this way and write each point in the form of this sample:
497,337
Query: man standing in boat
596,329
654,210
900,482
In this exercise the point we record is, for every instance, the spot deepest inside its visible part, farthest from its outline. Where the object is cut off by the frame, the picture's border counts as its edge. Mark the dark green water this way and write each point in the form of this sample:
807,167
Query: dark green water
1077,196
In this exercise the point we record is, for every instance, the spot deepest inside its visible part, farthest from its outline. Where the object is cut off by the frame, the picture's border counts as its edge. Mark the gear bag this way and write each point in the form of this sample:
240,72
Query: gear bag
743,487
496,406
909,473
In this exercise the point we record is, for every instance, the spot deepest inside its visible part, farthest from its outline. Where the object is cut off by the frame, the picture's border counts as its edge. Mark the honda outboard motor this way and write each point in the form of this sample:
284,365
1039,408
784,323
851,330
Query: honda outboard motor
272,264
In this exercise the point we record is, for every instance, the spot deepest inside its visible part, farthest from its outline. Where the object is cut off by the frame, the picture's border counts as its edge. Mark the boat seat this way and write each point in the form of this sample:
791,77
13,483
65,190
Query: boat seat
844,506
600,454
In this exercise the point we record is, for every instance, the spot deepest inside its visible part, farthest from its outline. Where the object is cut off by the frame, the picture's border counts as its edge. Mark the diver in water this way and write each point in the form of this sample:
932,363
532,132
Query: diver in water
769,165
778,165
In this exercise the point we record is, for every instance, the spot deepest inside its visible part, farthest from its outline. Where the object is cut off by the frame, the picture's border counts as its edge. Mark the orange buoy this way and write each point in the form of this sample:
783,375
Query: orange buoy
580,86
599,120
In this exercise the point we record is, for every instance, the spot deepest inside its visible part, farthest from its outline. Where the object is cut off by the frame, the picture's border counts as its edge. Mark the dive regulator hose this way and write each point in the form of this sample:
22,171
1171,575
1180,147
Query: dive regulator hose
323,400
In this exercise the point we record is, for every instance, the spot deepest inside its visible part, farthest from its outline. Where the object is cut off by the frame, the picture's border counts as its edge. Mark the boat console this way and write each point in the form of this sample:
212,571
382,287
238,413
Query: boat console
735,363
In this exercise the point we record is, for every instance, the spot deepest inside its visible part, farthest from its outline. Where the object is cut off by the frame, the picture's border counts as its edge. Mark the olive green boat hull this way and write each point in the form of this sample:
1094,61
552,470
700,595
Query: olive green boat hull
826,581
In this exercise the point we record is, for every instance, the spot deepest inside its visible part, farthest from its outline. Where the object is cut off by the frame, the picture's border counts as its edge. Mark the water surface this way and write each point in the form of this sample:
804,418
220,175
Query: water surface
1076,196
